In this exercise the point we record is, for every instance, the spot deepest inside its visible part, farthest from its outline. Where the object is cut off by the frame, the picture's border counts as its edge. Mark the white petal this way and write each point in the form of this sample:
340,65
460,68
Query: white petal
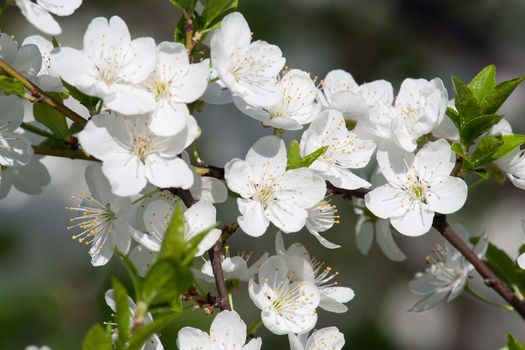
521,261
254,344
130,99
75,68
253,220
267,158
273,271
326,339
385,241
415,222
238,175
386,201
301,187
378,92
168,172
228,331
435,159
394,163
447,195
168,118
287,216
213,190
39,17
125,173
142,259
191,338
364,234
60,7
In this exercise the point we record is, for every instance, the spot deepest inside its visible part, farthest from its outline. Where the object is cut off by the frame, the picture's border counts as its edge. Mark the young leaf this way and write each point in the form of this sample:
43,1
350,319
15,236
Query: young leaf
509,143
312,157
97,339
168,278
294,155
466,104
11,86
500,93
122,310
483,83
193,245
174,244
87,101
215,10
485,150
477,126
187,6
142,335
54,120
514,344
454,116
132,272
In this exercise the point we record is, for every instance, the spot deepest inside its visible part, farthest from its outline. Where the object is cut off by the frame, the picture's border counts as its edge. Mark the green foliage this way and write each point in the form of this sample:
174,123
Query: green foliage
476,127
52,119
90,102
144,332
514,344
122,311
483,83
187,6
500,93
97,339
504,267
216,10
296,161
11,86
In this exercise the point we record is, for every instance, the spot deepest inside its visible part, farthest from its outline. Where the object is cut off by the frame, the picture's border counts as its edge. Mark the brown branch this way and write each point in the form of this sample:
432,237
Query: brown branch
40,95
491,280
215,254
64,153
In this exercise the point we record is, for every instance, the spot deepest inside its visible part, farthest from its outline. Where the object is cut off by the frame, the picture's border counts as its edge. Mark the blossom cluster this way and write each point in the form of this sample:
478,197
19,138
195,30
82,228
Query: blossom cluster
143,123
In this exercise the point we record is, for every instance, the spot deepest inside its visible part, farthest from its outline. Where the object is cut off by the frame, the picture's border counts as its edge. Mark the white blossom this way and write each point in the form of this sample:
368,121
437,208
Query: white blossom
153,342
513,165
110,66
38,13
321,218
26,60
48,79
328,338
418,186
342,93
174,83
102,218
34,347
296,108
227,332
132,155
248,69
15,149
286,306
420,107
30,179
198,218
305,267
268,192
345,150
448,273
234,268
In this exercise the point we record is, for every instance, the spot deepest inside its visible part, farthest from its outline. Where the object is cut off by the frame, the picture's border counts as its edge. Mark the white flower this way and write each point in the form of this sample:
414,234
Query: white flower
173,83
304,267
102,218
217,92
296,108
345,150
521,258
321,218
368,225
30,179
420,107
199,217
513,165
328,338
110,66
153,342
132,155
287,306
34,347
39,13
418,186
26,60
48,79
248,69
234,268
447,129
206,188
342,93
268,192
15,149
227,332
378,127
447,274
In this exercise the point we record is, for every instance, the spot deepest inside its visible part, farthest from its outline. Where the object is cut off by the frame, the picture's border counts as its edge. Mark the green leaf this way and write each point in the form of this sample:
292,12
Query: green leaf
216,10
173,244
166,272
483,83
122,311
466,103
97,339
295,161
187,6
500,93
11,86
179,35
485,150
192,246
509,143
522,249
141,335
514,344
454,116
132,272
54,120
87,101
458,149
477,126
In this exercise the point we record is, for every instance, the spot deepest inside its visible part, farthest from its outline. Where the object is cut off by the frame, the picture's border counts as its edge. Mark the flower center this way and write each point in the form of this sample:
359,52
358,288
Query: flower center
264,194
417,189
161,89
142,148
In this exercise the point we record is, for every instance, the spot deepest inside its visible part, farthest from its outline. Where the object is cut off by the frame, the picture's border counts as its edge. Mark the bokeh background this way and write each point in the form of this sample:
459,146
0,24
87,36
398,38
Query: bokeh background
49,292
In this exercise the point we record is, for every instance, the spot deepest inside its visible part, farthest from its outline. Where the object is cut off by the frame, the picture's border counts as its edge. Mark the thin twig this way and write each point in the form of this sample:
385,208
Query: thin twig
40,95
64,153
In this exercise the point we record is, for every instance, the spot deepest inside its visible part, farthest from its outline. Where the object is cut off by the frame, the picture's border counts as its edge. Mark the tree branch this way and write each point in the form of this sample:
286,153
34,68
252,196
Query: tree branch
40,95
64,153
214,253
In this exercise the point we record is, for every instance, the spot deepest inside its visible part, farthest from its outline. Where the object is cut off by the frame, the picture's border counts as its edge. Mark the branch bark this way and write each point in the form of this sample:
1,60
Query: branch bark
40,95
215,254
64,153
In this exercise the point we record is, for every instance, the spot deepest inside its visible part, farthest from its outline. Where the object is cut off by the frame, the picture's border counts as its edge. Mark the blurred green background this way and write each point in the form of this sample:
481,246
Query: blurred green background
49,292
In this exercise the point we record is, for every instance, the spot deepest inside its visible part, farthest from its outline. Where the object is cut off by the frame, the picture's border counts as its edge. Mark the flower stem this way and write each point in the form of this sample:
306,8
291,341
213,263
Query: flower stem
253,328
40,95
480,297
230,299
141,198
38,131
64,153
